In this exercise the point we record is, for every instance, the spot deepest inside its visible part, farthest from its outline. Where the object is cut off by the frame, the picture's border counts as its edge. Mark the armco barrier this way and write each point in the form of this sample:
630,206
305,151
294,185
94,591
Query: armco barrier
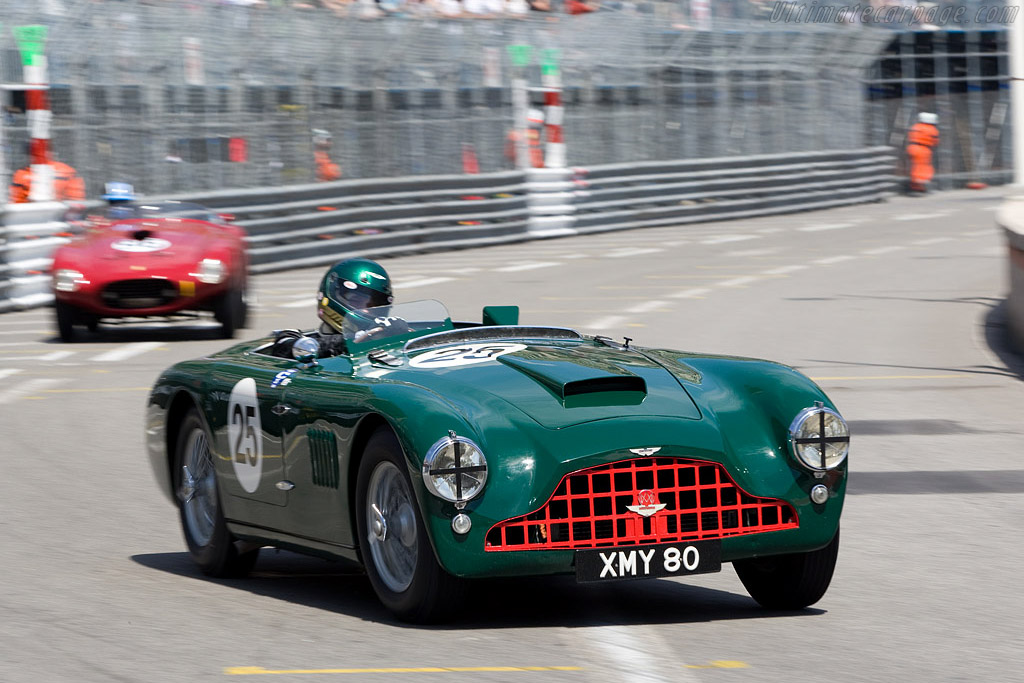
28,235
1011,219
309,225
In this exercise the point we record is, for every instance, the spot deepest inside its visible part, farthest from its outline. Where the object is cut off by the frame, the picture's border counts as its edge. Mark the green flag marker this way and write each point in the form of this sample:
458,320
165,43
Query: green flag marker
520,54
549,61
31,40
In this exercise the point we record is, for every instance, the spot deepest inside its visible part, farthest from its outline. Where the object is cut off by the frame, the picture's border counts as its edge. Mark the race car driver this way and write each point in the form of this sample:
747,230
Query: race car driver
348,292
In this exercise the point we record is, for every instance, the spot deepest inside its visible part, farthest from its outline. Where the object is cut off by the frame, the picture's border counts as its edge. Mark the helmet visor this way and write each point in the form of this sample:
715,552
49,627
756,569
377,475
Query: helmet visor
355,296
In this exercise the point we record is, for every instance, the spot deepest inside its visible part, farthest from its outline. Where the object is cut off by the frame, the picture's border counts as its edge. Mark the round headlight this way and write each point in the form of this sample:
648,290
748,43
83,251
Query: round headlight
819,437
67,280
211,271
455,469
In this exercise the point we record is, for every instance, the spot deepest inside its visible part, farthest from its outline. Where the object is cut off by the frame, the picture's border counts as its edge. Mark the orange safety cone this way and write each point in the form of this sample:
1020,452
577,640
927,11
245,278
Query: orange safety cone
470,164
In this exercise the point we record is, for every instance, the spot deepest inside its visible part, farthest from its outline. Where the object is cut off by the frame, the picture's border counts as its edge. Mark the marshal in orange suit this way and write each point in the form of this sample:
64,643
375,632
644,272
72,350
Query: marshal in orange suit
921,141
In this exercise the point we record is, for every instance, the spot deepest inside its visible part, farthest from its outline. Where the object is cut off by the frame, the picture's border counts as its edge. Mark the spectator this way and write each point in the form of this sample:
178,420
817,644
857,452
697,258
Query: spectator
580,6
539,5
67,184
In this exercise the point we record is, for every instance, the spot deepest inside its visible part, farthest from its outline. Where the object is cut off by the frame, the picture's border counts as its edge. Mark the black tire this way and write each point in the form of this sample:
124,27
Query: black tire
431,594
789,582
231,312
206,533
65,315
93,324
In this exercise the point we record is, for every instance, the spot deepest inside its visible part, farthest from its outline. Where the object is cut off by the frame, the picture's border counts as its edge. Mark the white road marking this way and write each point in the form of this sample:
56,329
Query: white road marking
26,388
920,216
739,281
54,356
648,307
722,239
979,233
692,293
7,372
635,251
825,226
833,259
606,322
36,331
635,655
300,303
25,321
771,231
933,240
569,256
526,266
744,253
783,270
882,250
126,351
423,282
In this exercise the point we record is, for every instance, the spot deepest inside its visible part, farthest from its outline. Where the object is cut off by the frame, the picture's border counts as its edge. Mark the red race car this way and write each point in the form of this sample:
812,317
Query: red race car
151,259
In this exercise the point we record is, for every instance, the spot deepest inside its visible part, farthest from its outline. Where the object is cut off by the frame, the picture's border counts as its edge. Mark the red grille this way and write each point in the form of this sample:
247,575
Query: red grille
588,509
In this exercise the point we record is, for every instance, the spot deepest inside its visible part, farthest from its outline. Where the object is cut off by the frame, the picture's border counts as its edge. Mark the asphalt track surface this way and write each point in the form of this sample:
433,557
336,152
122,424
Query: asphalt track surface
894,308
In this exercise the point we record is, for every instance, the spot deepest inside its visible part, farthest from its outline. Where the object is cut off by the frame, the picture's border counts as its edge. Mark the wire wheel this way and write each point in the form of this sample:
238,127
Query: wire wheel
391,527
198,491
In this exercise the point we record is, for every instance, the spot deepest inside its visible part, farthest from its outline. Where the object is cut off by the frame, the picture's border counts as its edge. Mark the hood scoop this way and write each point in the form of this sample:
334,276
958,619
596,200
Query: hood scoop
566,379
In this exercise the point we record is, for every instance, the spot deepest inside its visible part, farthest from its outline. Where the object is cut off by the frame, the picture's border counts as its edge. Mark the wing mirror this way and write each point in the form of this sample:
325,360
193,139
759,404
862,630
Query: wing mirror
226,217
305,350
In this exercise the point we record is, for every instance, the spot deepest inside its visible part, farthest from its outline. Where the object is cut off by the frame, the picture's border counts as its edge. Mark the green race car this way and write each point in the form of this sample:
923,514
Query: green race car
434,452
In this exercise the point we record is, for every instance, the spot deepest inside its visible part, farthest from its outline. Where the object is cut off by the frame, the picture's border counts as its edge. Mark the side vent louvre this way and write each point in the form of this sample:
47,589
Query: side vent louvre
323,454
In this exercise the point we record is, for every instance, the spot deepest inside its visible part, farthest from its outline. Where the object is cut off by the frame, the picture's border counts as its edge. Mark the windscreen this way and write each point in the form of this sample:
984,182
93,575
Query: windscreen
365,328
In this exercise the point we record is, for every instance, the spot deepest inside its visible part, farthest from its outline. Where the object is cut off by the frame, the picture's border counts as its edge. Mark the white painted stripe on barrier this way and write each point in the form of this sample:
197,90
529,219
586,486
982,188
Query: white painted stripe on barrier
526,266
126,351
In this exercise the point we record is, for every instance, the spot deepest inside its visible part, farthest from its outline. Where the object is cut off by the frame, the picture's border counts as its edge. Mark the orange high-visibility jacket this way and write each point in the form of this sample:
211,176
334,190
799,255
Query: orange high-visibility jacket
67,184
923,134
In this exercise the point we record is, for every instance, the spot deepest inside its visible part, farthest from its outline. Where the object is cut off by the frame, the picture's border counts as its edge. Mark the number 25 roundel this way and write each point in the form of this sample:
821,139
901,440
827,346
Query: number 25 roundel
244,432
467,354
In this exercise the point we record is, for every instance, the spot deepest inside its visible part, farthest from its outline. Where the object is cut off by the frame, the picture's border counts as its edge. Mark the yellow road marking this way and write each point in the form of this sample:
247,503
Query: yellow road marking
823,379
258,670
720,664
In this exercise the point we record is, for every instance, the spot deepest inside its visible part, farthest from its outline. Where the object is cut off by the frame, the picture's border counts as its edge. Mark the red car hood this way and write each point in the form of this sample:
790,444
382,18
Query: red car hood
165,246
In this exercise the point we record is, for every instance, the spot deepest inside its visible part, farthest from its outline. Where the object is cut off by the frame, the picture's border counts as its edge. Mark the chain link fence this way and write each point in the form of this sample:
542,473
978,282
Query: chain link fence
184,95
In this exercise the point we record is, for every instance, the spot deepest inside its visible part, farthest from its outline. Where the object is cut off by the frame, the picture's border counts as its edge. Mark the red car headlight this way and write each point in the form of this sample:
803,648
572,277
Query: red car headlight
210,271
68,280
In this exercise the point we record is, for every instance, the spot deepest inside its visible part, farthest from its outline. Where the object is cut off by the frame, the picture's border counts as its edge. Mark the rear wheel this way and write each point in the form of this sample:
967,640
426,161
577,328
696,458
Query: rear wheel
202,519
393,541
789,581
65,315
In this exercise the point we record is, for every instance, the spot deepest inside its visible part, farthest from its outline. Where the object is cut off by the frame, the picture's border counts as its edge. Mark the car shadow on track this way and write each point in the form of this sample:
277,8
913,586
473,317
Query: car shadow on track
494,603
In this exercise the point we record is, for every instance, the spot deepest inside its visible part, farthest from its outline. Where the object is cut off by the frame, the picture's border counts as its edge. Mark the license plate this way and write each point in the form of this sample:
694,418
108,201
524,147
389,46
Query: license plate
649,561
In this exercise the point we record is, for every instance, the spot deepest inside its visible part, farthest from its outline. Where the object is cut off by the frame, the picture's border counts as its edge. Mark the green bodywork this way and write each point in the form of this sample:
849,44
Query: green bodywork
520,408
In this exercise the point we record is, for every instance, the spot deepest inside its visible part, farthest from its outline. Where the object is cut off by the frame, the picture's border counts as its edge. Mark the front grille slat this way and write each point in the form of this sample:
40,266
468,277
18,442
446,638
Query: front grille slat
588,508
148,293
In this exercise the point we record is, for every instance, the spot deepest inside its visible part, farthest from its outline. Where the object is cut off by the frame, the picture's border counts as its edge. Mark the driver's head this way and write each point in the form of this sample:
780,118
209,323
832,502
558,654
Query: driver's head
351,287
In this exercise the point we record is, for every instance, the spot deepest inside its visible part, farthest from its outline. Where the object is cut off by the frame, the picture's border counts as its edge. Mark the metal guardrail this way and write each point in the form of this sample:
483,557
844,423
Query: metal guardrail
310,225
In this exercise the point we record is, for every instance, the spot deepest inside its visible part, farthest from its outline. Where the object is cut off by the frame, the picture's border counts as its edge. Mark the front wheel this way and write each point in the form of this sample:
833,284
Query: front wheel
202,519
393,541
789,581
231,312
65,315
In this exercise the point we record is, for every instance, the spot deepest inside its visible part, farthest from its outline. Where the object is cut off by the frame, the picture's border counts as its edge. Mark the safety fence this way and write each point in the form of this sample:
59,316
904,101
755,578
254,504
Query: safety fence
317,224
182,99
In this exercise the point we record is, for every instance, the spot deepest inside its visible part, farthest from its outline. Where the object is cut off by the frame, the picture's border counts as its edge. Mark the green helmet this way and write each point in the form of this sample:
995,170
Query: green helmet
349,288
